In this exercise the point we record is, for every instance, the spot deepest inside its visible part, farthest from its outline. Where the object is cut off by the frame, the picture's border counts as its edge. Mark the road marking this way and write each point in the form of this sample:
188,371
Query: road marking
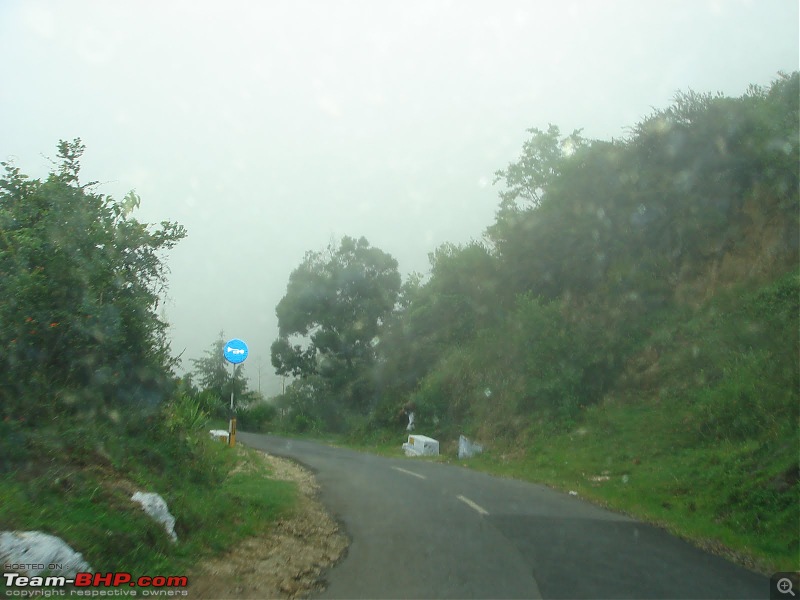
472,505
409,472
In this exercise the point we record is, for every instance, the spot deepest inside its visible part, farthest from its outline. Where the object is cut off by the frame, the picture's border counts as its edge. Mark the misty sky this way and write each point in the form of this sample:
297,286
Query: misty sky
271,128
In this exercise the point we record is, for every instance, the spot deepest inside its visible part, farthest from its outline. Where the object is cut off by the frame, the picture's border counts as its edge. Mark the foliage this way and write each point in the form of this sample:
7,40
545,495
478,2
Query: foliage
336,301
79,489
13,451
629,331
696,432
751,388
306,405
81,281
257,417
217,379
624,220
459,299
537,168
555,355
184,412
537,362
595,250
89,408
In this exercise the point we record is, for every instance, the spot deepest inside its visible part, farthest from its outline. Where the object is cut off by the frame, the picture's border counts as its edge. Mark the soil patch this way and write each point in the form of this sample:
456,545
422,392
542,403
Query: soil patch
289,561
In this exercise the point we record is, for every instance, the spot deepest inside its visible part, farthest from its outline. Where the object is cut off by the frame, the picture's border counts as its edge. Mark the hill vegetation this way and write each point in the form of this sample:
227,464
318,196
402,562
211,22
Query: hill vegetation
627,329
631,316
90,409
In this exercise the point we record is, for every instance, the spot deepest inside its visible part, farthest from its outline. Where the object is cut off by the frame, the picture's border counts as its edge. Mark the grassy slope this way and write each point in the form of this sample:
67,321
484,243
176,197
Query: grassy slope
700,435
78,484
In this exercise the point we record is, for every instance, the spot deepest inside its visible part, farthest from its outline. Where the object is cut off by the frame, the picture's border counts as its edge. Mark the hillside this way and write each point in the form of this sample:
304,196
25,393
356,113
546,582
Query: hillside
699,433
654,362
629,326
90,409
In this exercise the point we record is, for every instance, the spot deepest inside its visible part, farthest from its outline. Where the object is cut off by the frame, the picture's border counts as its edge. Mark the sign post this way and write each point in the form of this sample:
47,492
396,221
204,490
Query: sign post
235,352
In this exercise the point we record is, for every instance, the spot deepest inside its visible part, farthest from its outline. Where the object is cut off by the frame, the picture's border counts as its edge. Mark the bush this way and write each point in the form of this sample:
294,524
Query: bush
257,417
302,423
562,359
185,413
13,452
750,401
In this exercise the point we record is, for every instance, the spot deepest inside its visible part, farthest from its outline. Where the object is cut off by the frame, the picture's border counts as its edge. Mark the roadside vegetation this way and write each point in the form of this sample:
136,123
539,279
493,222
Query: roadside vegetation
713,462
77,484
627,329
90,408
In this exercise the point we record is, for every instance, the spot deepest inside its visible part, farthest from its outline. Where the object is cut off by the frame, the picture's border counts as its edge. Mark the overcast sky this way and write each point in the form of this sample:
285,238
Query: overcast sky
271,128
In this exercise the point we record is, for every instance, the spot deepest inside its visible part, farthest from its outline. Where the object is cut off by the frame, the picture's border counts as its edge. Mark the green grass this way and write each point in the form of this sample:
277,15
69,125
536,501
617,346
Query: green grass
77,486
739,499
700,434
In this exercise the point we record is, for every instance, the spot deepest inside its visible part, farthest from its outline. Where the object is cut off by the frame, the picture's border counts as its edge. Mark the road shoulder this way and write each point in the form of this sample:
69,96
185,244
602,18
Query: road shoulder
290,561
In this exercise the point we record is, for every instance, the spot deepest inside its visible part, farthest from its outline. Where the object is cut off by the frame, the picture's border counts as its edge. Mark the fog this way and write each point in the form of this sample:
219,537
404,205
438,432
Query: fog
271,128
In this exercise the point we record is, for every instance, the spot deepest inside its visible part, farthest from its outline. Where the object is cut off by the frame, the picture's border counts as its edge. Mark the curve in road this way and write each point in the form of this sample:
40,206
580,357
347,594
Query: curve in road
426,530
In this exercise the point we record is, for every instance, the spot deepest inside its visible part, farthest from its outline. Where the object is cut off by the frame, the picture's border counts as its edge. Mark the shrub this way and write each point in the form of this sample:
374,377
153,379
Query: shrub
257,417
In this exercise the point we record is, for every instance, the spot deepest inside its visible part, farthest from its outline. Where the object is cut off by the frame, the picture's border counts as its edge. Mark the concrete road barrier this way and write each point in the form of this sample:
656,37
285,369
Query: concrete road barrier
421,445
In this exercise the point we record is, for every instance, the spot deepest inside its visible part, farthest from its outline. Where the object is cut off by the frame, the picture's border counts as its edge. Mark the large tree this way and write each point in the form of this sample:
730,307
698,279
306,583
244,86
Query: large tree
334,304
81,281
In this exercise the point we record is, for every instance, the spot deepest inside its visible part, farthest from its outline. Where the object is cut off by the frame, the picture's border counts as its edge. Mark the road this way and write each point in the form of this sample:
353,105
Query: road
427,530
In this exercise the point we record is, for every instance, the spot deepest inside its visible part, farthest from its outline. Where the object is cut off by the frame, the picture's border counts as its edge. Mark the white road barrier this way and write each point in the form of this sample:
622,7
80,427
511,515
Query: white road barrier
468,449
219,434
421,445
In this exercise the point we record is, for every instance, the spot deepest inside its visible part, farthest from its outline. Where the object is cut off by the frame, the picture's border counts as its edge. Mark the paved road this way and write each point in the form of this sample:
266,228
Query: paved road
426,530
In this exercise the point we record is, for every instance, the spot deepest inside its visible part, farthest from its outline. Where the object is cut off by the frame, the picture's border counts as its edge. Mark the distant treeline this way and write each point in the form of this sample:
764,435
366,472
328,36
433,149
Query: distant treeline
594,243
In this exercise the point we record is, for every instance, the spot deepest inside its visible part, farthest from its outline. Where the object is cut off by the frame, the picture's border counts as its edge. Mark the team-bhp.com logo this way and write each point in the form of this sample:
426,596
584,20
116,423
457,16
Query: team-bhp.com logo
94,584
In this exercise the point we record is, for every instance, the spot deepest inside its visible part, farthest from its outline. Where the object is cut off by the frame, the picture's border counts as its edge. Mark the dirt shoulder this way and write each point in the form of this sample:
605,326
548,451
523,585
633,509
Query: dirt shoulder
287,562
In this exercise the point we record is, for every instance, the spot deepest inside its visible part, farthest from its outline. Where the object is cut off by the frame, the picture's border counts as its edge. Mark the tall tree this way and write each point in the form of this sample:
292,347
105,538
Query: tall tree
335,302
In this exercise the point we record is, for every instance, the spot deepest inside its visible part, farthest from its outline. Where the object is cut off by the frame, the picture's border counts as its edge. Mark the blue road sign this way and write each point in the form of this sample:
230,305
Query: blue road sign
235,351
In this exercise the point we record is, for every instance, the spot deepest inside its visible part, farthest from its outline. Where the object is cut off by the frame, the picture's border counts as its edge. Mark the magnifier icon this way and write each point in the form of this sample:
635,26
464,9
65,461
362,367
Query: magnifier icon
784,586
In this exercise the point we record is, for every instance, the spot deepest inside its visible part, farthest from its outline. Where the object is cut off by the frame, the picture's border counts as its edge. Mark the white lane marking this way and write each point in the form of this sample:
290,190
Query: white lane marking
472,505
409,472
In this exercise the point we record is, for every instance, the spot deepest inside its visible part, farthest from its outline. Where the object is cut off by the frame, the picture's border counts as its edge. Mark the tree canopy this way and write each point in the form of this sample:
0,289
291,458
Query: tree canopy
216,379
594,243
335,303
81,281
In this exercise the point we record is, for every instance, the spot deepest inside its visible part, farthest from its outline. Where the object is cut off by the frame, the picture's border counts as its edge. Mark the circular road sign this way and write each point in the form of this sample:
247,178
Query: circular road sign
235,351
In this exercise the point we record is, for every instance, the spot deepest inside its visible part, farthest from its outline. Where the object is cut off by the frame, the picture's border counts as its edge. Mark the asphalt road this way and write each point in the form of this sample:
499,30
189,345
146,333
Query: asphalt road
426,530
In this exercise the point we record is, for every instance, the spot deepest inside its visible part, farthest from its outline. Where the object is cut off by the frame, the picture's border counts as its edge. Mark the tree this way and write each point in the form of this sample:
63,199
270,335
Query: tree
215,381
529,184
538,166
81,281
460,298
335,302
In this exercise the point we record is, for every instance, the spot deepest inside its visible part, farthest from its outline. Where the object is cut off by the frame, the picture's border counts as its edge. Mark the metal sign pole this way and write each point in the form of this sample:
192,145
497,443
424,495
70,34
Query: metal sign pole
235,352
233,383
232,424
